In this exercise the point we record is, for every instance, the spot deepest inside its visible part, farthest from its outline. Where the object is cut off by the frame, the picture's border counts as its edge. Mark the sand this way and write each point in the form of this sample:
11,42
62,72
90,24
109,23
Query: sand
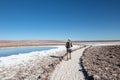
69,70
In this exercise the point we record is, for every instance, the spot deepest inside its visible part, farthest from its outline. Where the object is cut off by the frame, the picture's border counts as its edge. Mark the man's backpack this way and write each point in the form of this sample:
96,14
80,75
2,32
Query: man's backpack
68,45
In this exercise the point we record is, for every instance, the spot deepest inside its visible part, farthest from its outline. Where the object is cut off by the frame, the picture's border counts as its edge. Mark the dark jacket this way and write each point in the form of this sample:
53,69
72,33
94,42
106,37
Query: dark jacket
68,44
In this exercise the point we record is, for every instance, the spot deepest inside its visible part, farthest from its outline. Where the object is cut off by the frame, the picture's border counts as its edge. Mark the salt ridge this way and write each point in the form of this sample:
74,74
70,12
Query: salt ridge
17,59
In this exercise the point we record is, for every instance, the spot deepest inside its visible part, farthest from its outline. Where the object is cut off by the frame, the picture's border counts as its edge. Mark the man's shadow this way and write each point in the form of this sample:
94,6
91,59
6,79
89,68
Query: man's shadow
60,57
57,57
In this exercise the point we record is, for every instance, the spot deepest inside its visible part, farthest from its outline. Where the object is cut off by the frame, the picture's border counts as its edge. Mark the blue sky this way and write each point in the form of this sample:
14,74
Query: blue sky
59,19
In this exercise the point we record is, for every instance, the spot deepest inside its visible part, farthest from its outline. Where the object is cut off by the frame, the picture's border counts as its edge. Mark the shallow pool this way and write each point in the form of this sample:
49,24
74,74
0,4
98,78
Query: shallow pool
22,50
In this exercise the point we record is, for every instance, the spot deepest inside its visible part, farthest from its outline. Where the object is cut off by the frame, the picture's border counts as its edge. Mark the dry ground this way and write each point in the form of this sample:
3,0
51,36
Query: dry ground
69,70
102,62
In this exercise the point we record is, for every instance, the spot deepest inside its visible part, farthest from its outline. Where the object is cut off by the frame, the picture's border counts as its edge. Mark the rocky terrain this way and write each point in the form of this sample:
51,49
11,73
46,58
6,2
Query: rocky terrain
102,62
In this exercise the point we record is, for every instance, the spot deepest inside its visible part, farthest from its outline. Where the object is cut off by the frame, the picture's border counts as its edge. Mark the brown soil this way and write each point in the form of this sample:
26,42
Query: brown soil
18,43
102,62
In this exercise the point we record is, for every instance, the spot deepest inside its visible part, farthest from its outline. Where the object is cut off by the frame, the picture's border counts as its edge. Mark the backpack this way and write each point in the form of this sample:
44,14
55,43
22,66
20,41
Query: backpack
68,44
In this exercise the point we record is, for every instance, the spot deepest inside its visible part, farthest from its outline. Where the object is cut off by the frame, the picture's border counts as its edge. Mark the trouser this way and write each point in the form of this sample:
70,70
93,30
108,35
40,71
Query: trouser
68,54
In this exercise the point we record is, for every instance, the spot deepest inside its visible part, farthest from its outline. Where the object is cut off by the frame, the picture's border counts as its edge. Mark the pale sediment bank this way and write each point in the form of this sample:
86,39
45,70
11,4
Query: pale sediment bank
30,66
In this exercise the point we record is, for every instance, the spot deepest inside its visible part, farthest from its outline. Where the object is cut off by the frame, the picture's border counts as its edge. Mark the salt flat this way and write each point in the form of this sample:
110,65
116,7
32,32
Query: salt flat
69,70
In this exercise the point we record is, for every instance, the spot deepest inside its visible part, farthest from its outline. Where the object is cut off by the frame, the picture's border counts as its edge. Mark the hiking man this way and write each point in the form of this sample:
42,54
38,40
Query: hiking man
68,48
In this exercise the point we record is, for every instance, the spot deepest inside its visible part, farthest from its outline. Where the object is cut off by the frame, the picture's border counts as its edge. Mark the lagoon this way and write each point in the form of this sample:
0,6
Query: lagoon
4,52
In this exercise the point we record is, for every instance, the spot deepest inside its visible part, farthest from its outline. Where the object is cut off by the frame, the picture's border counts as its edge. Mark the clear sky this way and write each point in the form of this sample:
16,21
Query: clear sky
59,19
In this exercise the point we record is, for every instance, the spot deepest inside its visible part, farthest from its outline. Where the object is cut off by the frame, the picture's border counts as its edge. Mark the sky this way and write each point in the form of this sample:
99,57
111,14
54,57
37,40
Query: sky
59,19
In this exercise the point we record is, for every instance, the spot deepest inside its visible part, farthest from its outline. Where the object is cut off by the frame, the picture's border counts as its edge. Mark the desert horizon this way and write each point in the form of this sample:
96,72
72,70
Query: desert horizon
17,43
59,39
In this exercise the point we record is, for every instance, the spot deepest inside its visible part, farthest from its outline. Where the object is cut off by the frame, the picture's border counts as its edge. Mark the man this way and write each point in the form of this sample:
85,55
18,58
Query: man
68,48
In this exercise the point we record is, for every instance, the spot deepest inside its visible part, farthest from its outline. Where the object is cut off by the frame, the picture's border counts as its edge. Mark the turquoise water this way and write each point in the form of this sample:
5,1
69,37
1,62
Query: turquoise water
21,50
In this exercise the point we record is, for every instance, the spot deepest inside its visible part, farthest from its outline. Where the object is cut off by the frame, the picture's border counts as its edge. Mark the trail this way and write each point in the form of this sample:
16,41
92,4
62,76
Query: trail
69,70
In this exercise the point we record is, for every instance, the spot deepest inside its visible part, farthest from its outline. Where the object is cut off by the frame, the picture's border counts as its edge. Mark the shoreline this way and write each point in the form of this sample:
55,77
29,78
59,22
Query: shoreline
26,56
30,46
33,67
